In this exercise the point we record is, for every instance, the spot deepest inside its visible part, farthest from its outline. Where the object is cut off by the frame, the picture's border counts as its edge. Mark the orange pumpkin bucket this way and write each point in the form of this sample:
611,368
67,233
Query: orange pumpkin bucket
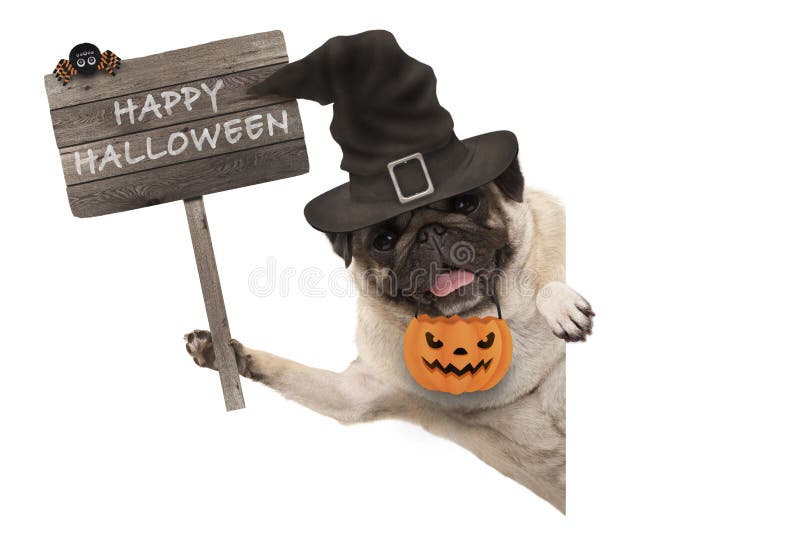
457,355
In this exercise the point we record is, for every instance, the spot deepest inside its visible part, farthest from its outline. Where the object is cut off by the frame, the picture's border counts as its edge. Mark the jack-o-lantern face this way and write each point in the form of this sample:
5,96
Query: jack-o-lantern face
457,355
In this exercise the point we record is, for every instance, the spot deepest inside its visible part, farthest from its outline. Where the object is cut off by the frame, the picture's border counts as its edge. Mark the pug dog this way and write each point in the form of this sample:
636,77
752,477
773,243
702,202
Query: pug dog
498,244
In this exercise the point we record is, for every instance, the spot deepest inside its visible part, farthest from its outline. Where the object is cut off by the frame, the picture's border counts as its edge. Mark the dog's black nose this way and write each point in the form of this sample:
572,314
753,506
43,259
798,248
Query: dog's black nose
459,351
430,230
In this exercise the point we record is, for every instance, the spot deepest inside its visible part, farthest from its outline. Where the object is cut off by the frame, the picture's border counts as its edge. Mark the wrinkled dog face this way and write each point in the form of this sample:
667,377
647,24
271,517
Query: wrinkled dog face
443,256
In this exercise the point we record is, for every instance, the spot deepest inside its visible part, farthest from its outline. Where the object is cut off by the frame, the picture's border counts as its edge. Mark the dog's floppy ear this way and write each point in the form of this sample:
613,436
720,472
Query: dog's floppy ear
342,245
511,182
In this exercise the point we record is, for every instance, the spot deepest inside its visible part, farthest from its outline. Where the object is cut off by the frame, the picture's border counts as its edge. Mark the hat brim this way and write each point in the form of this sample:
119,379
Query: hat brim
489,155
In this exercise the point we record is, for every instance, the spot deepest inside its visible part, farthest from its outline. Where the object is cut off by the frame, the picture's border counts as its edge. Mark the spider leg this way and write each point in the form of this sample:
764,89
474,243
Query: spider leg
64,71
70,70
108,62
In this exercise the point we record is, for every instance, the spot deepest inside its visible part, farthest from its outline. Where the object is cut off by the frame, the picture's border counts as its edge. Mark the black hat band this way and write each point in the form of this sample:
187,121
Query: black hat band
411,177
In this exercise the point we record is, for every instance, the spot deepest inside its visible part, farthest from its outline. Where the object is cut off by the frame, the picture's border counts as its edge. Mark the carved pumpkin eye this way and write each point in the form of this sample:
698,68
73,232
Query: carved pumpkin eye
487,342
432,342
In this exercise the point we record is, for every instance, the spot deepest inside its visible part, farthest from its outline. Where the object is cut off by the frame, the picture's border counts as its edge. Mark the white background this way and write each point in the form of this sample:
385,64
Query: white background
670,130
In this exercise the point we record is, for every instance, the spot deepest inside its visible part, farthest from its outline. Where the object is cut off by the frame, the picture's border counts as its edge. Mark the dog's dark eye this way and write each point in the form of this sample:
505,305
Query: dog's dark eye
466,203
385,241
487,342
432,342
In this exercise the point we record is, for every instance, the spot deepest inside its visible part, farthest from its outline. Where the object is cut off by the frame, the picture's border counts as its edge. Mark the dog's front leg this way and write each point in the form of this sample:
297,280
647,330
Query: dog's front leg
567,313
351,396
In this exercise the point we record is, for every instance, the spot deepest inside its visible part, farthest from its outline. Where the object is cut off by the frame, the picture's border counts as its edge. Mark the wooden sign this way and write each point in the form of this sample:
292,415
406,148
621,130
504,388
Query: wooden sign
179,125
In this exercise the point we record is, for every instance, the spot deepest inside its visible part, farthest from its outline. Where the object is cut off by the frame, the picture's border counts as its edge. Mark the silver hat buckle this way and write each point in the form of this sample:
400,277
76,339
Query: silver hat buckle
408,198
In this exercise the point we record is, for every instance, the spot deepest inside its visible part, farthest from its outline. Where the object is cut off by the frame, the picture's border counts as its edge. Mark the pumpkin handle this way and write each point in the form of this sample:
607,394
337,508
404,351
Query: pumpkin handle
492,295
496,304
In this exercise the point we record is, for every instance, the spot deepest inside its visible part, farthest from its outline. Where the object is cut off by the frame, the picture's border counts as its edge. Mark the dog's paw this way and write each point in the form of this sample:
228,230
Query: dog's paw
568,313
199,346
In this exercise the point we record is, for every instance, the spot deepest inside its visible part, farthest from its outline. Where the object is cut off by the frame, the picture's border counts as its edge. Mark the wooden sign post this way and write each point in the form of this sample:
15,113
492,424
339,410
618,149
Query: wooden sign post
179,125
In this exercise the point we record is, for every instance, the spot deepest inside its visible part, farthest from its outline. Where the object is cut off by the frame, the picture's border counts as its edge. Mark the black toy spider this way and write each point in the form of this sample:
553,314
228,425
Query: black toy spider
86,59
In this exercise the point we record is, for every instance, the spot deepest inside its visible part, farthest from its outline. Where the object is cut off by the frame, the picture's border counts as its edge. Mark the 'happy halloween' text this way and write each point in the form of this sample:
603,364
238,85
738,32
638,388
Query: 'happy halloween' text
231,131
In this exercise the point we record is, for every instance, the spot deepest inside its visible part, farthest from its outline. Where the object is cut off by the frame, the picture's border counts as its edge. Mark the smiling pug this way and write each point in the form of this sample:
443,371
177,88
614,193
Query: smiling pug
453,231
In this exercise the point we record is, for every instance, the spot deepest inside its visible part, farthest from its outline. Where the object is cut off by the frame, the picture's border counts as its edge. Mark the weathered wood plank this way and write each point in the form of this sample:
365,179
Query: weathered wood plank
170,68
159,157
266,129
96,120
224,358
190,179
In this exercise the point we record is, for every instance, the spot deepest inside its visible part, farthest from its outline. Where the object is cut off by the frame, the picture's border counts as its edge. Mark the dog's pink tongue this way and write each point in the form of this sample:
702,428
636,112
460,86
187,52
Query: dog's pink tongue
448,282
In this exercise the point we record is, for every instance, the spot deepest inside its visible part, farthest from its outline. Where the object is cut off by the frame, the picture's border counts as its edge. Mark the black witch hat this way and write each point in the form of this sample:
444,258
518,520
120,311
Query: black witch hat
397,140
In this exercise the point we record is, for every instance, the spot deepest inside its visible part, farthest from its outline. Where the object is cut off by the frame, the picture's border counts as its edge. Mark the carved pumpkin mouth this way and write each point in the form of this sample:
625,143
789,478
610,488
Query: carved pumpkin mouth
452,369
